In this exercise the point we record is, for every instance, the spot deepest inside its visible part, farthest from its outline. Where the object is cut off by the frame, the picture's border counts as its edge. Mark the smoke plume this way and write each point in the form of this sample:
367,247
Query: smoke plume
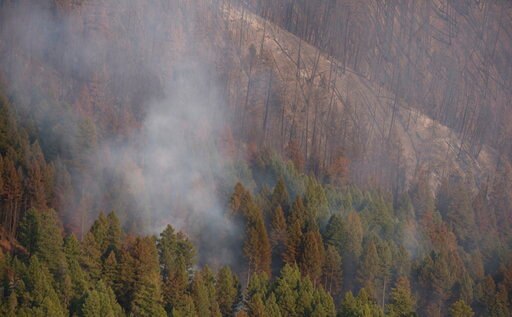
127,102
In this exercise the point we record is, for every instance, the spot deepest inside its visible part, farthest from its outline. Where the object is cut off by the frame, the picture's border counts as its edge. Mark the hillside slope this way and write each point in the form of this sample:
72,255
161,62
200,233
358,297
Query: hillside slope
325,104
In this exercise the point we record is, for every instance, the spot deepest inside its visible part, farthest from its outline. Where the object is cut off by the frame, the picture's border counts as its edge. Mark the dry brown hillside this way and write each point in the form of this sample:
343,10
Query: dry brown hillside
331,111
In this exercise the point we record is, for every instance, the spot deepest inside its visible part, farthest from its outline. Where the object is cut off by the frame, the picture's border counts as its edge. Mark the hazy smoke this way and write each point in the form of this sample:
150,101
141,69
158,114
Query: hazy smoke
141,65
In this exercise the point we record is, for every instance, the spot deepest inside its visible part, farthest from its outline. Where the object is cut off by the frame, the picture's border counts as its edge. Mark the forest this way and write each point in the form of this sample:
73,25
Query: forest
255,158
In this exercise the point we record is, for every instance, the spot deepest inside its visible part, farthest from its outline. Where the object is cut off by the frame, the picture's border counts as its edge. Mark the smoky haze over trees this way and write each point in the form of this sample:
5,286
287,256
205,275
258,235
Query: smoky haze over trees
255,158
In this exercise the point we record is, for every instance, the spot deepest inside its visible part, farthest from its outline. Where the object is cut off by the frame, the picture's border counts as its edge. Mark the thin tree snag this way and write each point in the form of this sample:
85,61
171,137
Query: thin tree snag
267,104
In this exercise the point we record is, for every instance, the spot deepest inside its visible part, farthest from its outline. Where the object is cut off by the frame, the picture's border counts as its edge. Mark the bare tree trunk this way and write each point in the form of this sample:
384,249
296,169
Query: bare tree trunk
267,103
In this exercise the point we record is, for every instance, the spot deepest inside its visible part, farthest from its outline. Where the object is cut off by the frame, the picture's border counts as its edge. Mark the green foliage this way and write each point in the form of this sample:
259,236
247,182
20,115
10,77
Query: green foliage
101,302
461,309
327,243
402,302
360,306
227,290
315,201
296,295
147,297
280,197
332,278
42,233
42,296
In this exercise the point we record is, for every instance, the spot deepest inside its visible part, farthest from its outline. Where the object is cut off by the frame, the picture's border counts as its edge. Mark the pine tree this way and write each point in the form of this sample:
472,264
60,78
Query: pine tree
354,235
176,256
362,305
79,279
299,214
315,201
294,238
42,295
99,230
114,234
209,282
296,296
257,247
187,309
454,203
401,302
41,232
50,242
271,307
200,295
499,304
312,257
227,290
278,225
286,290
236,198
280,197
35,181
101,301
278,236
110,271
461,309
256,306
323,304
353,248
91,256
335,233
147,297
12,193
466,288
332,271
258,284
369,268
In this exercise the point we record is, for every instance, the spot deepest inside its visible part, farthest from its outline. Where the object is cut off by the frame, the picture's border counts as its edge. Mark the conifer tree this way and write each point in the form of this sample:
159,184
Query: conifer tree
299,214
332,271
293,240
99,230
227,290
50,242
91,256
114,234
278,226
286,290
315,201
354,235
111,271
353,247
280,197
256,306
312,257
369,269
176,256
101,301
43,298
79,279
335,233
362,305
278,236
199,293
42,232
186,309
271,307
147,297
257,247
461,309
401,301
